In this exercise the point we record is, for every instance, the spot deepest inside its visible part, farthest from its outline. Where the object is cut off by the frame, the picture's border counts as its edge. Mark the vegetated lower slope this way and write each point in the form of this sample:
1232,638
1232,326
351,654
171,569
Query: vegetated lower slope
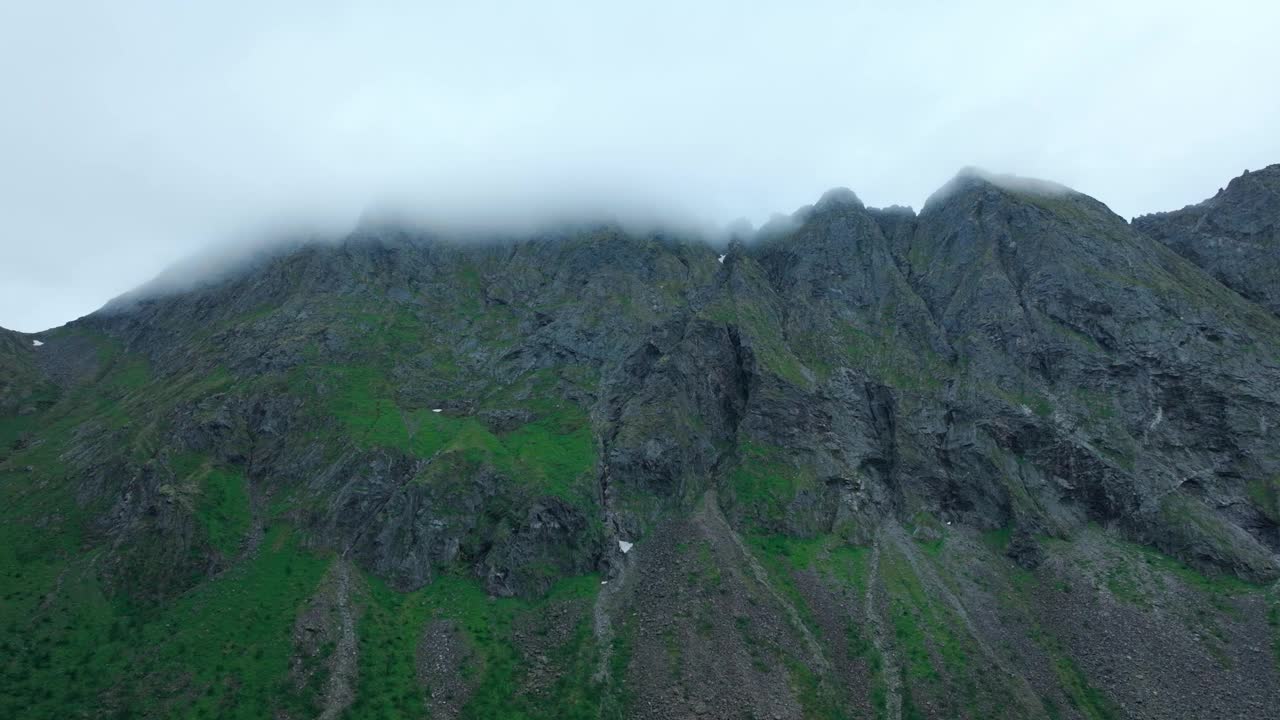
1006,458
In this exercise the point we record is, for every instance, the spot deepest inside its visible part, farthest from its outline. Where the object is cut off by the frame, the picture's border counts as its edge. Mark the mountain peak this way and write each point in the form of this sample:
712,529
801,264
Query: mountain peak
972,178
838,197
1234,235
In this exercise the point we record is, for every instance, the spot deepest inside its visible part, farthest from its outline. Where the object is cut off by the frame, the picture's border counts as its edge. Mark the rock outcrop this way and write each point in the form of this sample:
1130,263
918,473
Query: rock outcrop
1234,235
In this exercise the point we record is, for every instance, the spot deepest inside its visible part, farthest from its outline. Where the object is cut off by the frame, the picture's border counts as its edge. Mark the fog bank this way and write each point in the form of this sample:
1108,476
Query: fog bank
136,133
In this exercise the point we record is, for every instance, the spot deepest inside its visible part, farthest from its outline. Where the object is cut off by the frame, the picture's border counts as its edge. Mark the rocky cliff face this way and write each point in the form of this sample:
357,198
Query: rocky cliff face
1233,235
846,467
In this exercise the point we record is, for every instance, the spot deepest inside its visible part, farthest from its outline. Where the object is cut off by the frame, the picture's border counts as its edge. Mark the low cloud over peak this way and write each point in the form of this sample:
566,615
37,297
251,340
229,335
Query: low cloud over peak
136,133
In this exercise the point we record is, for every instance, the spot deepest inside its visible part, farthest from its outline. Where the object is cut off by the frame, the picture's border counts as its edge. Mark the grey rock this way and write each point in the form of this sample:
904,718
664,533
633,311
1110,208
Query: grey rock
1234,235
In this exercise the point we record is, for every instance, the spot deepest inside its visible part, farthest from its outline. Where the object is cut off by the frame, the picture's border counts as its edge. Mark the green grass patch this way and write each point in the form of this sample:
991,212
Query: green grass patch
1085,698
393,624
889,358
998,539
764,483
1034,402
1190,516
846,568
930,637
762,330
1265,493
816,701
222,508
1221,584
554,454
219,651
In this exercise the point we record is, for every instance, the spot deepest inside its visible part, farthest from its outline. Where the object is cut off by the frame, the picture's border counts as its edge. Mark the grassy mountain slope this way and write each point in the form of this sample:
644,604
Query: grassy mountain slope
1006,458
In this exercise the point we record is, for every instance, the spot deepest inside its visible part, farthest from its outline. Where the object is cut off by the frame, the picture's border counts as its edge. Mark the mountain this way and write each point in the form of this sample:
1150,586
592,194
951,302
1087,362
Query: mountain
1234,235
1010,457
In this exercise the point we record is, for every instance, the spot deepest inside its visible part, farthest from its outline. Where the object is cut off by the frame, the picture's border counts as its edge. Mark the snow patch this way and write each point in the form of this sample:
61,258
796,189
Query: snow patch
36,343
720,259
624,546
437,409
604,582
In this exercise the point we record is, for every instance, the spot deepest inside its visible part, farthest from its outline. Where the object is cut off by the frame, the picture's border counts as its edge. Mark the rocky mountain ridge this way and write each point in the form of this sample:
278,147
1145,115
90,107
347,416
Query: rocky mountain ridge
852,460
1232,235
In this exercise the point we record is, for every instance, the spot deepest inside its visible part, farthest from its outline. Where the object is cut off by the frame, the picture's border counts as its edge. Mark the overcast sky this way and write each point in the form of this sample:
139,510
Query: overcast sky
133,133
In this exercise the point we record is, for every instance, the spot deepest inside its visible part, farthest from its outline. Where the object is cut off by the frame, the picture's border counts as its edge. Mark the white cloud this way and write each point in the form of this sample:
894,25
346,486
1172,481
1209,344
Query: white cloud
135,132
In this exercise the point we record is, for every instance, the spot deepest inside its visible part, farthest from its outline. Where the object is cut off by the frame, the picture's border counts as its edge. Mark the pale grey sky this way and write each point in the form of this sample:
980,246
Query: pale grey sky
133,133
